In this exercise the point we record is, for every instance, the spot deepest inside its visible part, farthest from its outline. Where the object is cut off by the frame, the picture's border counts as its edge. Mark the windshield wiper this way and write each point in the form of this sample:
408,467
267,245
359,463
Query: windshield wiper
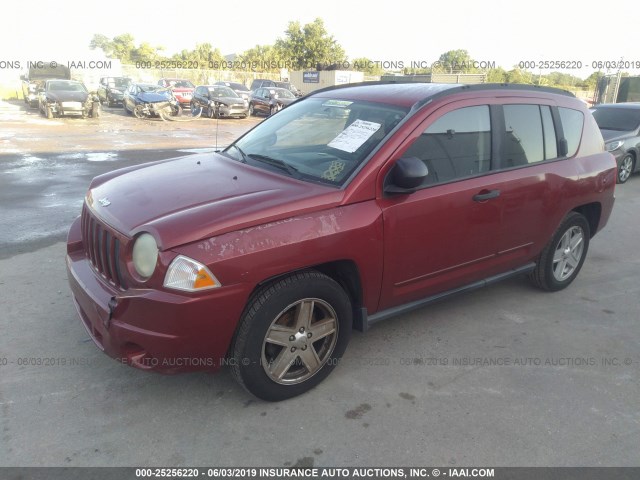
244,155
276,162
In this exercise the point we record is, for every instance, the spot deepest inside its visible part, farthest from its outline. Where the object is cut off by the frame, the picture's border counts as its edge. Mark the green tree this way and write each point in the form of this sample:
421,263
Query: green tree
123,47
103,42
145,53
456,61
309,45
497,75
262,58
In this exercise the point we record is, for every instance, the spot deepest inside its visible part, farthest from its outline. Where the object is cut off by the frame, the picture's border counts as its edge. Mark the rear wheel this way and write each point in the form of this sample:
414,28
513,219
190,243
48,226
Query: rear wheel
562,258
291,336
625,168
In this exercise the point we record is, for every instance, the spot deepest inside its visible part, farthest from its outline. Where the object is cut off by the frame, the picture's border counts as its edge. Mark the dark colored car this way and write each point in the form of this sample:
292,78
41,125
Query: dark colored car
61,98
37,74
620,127
261,82
111,90
352,205
148,100
182,89
215,101
289,86
242,91
269,100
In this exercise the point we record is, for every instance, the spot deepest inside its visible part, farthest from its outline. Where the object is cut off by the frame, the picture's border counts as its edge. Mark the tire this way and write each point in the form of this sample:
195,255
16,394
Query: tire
252,112
625,169
195,111
562,258
274,332
272,110
48,113
137,111
177,111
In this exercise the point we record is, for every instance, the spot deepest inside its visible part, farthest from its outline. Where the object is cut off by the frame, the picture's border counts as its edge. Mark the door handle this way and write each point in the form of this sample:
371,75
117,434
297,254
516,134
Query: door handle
486,195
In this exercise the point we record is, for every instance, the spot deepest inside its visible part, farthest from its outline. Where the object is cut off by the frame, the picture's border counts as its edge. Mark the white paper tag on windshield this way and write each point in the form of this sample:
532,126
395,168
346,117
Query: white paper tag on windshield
352,137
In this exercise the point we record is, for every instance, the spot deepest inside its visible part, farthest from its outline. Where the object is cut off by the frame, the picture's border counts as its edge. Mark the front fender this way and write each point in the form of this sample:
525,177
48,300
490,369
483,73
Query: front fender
250,256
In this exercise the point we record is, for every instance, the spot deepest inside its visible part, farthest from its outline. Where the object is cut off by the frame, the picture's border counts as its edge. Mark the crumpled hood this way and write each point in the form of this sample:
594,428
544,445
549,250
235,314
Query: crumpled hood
229,100
63,96
200,196
153,97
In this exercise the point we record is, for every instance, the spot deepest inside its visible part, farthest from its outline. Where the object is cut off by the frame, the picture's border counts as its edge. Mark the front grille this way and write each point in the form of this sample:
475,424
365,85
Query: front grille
103,248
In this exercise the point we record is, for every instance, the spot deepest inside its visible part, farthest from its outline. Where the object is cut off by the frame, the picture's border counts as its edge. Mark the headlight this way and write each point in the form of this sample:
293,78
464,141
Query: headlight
611,146
186,274
145,255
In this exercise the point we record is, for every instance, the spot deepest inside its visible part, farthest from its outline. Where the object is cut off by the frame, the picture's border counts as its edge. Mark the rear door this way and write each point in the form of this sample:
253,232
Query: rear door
533,177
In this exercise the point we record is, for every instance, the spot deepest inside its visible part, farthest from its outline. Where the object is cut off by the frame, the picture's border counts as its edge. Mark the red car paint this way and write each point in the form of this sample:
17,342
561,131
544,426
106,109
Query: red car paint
182,89
249,225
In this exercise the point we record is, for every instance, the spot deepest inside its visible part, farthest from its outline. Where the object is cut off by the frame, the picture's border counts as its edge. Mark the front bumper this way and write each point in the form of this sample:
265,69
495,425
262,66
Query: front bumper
233,111
152,329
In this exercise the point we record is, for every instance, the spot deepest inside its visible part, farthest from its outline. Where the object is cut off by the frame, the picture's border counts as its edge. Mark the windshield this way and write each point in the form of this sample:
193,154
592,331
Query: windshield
66,87
622,119
288,86
282,93
222,92
321,140
120,83
151,88
180,84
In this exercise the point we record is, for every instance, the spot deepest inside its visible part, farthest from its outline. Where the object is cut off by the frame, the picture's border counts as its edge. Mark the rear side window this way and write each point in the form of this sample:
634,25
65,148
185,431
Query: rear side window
523,140
457,145
572,122
529,136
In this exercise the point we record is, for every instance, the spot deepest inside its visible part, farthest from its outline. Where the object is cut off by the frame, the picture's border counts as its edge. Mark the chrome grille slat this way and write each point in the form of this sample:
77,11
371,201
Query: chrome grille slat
102,248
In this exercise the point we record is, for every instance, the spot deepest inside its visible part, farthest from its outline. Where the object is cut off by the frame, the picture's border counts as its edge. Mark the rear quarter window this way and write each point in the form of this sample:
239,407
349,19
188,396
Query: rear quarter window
572,124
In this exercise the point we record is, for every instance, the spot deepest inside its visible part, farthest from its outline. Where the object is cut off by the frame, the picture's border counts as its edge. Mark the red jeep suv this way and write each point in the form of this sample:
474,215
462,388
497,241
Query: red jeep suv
352,205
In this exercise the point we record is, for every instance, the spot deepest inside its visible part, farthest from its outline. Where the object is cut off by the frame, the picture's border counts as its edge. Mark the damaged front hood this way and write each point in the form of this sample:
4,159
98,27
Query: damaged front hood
63,96
200,196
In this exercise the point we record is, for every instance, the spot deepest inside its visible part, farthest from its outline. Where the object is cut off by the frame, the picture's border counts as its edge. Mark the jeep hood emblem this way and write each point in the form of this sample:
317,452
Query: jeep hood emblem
104,202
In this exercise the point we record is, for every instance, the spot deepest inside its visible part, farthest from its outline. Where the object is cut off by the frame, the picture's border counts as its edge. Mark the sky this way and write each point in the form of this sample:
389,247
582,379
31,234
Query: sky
504,32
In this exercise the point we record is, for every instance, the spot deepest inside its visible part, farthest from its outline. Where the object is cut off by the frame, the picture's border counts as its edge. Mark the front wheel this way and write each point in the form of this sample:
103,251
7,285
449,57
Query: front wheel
252,112
138,111
625,168
291,336
562,258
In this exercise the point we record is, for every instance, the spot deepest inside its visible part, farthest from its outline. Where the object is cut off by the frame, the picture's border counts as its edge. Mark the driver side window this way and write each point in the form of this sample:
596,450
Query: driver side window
456,145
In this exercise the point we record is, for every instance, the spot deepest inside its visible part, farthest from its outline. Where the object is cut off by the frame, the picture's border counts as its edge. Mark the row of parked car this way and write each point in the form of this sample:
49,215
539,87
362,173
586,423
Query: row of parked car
221,99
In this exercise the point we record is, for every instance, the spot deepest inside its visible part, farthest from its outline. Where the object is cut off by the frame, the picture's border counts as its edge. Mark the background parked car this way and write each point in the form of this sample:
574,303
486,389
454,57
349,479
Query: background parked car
261,82
67,97
242,91
38,73
270,100
182,89
111,90
215,101
145,99
620,127
289,86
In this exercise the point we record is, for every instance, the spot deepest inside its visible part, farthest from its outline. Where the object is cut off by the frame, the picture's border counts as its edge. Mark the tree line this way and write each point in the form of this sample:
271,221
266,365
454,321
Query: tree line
310,46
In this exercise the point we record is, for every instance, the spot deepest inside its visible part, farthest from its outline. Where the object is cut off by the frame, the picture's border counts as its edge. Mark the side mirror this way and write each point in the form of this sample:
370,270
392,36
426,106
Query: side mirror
406,175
